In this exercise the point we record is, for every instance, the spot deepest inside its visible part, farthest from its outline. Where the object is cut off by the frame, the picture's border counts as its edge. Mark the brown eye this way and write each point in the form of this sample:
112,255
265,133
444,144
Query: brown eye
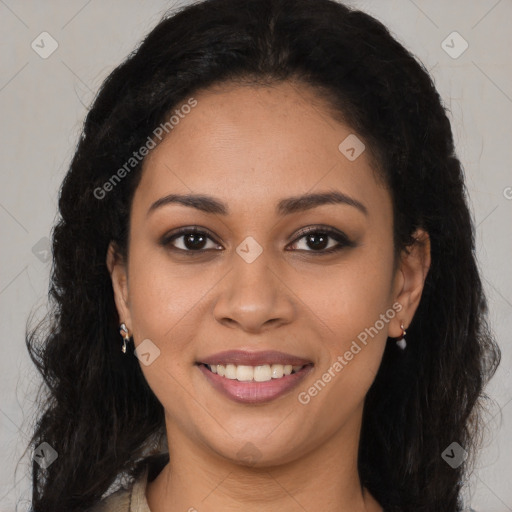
317,240
189,240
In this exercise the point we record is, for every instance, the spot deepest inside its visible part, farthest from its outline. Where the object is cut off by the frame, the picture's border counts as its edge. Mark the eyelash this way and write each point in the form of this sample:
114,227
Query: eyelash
341,238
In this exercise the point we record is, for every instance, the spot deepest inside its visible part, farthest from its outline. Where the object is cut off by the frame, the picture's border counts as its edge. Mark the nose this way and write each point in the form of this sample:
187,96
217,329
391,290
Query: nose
254,297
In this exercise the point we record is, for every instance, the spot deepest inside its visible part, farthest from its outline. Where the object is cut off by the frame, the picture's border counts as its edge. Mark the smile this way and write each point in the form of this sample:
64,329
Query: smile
261,373
254,384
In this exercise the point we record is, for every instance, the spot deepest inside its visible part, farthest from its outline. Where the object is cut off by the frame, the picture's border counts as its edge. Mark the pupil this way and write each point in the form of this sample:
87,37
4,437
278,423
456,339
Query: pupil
189,241
321,237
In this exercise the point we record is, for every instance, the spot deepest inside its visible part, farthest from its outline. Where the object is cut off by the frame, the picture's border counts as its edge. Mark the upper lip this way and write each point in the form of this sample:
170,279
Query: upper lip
242,357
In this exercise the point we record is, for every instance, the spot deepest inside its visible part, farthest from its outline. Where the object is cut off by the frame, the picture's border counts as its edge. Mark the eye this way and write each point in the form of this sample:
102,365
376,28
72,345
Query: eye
191,240
318,237
194,240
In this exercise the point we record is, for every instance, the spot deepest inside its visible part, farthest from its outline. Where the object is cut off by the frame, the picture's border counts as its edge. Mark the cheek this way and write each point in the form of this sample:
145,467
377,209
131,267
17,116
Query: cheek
350,296
162,308
353,347
160,300
354,303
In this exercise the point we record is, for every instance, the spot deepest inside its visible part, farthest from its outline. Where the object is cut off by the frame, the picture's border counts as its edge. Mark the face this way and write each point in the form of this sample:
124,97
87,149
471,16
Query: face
269,279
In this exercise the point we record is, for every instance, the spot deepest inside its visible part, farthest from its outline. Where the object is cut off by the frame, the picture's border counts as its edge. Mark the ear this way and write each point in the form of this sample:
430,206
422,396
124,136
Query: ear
409,280
117,269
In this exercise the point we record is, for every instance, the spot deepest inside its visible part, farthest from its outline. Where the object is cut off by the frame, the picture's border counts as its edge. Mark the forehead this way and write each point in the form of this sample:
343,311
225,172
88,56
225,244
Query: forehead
253,145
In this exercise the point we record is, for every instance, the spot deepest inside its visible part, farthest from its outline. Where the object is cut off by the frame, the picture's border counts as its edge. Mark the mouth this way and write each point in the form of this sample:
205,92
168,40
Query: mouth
254,377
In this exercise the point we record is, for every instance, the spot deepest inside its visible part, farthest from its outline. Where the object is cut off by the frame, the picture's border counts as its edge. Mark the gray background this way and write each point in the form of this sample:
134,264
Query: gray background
43,103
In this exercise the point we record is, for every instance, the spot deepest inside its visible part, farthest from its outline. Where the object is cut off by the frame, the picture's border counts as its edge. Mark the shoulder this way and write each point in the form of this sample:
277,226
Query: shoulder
132,498
118,501
126,499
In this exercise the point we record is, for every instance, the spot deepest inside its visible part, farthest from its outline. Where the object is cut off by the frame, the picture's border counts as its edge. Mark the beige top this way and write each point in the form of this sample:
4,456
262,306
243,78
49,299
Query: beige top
132,499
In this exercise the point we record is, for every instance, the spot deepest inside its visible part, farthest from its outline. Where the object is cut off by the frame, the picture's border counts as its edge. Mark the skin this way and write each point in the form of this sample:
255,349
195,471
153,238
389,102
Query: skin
250,147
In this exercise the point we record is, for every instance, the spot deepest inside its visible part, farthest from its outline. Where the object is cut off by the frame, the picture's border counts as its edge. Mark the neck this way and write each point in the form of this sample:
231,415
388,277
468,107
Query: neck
198,479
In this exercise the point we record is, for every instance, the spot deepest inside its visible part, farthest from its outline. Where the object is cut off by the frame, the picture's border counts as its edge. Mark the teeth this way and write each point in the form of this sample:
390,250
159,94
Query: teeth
277,371
244,373
263,373
230,371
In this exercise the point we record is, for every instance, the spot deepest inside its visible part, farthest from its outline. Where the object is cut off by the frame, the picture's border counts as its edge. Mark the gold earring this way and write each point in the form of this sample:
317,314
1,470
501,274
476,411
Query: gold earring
126,337
401,341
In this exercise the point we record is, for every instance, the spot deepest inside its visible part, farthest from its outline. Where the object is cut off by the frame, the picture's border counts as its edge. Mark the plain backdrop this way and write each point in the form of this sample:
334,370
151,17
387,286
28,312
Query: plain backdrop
43,102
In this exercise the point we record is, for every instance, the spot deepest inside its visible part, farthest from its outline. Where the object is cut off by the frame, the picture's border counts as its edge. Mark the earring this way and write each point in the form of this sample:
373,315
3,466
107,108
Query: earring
126,337
401,341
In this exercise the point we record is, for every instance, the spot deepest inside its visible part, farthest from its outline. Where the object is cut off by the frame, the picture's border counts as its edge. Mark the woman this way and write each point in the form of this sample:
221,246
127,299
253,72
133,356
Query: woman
266,205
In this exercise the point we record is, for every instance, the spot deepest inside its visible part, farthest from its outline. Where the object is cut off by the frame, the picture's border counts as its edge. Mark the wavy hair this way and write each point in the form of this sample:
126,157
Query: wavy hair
421,400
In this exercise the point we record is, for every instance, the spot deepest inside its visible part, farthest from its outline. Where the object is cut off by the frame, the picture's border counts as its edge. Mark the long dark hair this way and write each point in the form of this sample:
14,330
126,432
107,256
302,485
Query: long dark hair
422,399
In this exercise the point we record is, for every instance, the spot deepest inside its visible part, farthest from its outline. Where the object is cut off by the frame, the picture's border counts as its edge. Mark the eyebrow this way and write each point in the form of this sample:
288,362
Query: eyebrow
287,206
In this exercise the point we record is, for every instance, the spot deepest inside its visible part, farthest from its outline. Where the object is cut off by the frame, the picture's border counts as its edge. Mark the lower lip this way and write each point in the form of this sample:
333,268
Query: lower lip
254,392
